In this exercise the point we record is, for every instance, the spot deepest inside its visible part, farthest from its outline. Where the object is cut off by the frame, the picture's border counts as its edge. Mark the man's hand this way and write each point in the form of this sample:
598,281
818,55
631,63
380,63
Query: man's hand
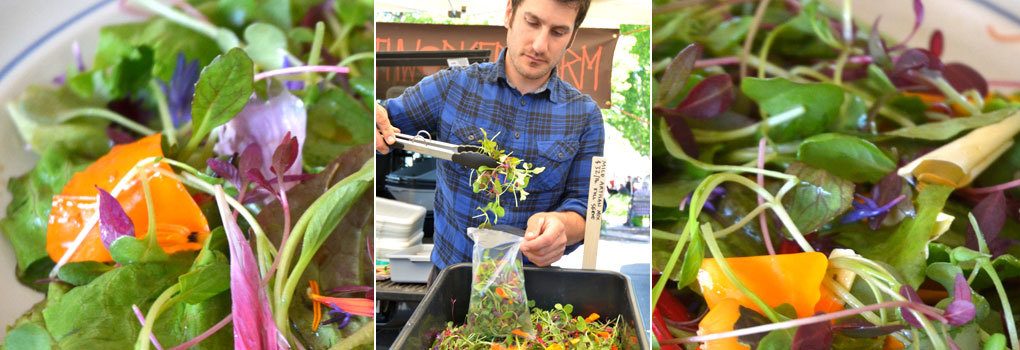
383,130
548,235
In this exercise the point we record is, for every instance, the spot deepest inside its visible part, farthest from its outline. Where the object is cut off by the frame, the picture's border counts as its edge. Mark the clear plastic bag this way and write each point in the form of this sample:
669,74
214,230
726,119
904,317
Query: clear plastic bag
499,304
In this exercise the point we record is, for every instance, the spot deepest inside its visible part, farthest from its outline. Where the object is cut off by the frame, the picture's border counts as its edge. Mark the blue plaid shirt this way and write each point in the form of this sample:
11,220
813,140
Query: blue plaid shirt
555,127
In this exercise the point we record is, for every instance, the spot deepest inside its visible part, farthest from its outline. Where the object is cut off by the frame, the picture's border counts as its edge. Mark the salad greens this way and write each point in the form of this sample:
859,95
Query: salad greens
785,130
558,328
255,115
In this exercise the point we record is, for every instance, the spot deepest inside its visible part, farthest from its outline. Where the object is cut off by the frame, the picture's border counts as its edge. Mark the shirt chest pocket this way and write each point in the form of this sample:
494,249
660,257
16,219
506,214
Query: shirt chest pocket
556,156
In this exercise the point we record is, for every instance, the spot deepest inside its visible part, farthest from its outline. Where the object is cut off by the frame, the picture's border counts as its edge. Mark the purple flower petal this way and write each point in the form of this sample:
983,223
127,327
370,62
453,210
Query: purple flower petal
962,309
114,223
253,321
264,124
181,89
291,84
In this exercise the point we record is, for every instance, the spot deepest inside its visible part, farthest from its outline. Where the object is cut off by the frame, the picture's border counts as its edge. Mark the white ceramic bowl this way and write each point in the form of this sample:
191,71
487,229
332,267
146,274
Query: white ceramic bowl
35,46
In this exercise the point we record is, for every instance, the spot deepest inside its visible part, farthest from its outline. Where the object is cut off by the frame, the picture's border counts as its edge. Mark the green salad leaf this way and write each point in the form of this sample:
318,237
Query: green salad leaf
845,156
819,197
222,91
821,102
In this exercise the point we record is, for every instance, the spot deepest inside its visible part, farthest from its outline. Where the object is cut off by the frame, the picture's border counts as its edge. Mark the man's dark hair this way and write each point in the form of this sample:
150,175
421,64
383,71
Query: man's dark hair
580,5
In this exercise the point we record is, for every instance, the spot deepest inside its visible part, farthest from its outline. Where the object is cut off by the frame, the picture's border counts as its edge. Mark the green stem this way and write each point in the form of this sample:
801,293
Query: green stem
952,95
726,270
313,55
763,55
164,113
108,115
363,336
707,136
142,343
223,37
986,265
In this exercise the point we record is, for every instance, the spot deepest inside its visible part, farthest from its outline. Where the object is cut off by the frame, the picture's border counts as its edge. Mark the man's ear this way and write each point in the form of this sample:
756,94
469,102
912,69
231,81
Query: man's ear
509,17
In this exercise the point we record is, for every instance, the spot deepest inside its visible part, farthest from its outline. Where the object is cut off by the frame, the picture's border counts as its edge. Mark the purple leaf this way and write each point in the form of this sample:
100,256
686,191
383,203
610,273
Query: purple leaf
255,176
675,77
682,134
250,159
709,98
264,123
908,292
936,43
990,217
961,310
813,336
224,170
915,60
887,189
962,77
253,321
114,223
918,18
285,155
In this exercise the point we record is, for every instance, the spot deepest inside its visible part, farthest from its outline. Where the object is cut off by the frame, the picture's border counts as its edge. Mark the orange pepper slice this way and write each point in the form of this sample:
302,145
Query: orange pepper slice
827,301
721,318
592,317
793,279
520,333
891,343
495,346
180,224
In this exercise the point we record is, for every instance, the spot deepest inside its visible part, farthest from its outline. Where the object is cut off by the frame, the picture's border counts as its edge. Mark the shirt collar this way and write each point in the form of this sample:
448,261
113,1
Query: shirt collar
551,88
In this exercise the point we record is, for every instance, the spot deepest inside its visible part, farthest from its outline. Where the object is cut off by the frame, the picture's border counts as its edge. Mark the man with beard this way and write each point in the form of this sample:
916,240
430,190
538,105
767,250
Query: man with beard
538,117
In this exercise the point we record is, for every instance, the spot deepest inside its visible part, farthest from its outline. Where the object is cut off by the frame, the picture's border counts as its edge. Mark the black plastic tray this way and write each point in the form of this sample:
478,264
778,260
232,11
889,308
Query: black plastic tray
604,292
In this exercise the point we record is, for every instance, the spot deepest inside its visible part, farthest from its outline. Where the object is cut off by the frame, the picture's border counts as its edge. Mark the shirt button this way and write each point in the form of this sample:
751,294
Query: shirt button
523,102
471,137
559,155
517,134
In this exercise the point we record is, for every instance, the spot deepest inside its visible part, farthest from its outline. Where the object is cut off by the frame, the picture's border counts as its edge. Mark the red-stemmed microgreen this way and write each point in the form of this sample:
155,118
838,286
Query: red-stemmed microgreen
205,335
141,321
157,307
762,221
511,175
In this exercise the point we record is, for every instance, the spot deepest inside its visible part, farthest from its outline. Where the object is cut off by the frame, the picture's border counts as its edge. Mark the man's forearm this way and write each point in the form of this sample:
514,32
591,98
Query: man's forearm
574,226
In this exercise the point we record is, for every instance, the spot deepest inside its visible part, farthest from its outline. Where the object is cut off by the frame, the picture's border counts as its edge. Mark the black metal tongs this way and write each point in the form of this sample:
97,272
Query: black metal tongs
469,156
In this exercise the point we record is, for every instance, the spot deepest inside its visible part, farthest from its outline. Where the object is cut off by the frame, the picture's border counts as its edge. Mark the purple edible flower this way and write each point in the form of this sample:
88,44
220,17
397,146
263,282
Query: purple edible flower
866,208
338,316
961,310
265,123
181,90
712,196
290,84
114,223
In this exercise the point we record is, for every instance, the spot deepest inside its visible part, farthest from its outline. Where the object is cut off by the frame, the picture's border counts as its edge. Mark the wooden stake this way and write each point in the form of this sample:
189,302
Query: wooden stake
593,223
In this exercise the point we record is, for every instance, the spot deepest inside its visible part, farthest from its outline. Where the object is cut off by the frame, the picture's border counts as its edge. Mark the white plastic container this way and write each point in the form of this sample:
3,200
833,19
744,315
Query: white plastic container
384,247
398,220
422,197
411,265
